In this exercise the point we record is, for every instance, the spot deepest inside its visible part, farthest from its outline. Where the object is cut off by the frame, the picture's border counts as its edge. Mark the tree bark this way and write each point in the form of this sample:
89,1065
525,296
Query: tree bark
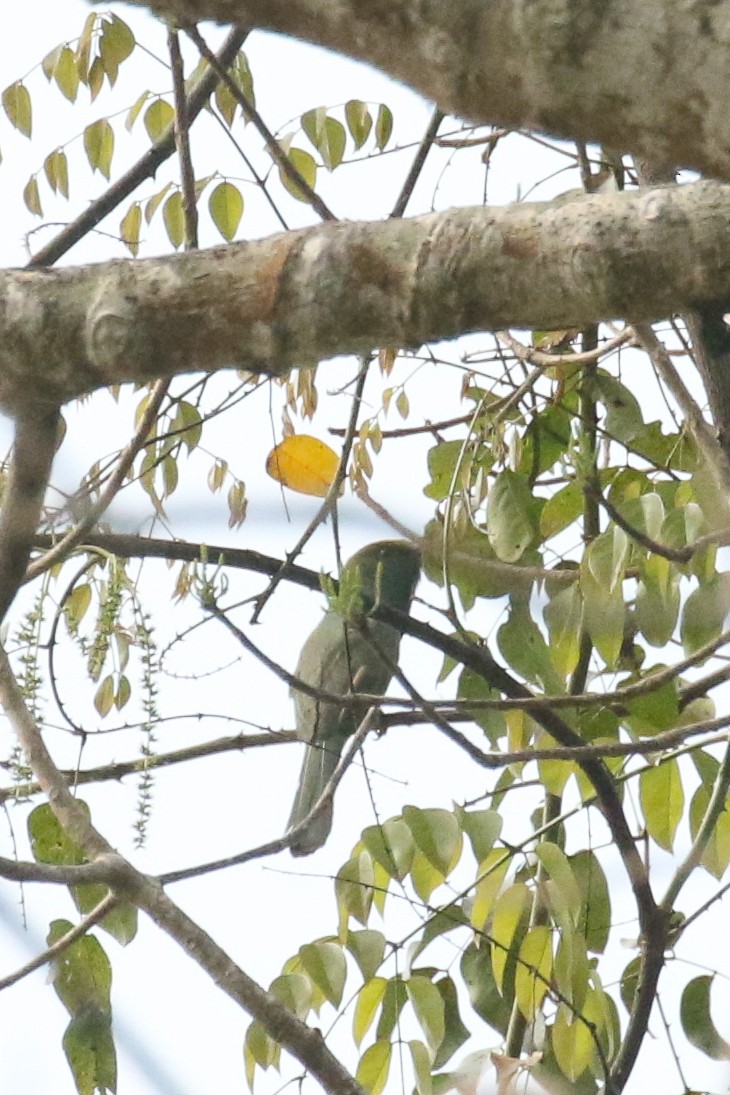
645,76
294,299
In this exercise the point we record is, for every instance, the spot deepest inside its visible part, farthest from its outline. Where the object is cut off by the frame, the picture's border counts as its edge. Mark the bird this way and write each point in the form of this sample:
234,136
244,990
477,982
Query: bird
341,657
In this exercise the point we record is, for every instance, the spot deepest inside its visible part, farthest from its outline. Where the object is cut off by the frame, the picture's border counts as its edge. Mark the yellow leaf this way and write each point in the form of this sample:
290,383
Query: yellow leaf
304,464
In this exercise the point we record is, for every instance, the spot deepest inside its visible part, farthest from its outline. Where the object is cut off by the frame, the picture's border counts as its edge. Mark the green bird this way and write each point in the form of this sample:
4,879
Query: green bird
341,657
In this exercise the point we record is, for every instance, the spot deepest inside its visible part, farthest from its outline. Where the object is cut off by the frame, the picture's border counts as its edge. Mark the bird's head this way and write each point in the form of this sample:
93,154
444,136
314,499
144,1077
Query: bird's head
385,572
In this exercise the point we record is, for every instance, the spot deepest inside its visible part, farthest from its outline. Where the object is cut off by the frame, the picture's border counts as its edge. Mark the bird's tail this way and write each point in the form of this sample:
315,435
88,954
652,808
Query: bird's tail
320,762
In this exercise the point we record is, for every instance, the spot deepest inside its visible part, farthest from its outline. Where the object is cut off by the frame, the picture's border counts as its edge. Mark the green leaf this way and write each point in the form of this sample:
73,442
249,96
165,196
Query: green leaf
657,710
603,614
81,974
716,855
129,228
704,614
624,419
630,982
383,126
99,146
368,949
572,1043
605,558
428,1005
174,218
508,910
307,168
657,600
260,1049
369,999
294,991
697,1022
564,618
373,1067
522,645
558,867
662,801
327,135
561,510
354,888
32,197
158,117
510,507
66,75
486,999
421,1067
17,106
56,167
325,963
436,833
594,918
482,827
226,209
359,121
391,845
455,1033
90,1052
393,1001
76,604
532,975
450,466
491,875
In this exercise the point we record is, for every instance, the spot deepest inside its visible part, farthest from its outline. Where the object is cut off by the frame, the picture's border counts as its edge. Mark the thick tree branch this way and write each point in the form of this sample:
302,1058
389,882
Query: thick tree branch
272,304
644,75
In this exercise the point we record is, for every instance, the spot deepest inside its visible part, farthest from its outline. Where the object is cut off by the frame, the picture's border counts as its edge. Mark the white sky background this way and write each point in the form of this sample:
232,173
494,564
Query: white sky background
176,1033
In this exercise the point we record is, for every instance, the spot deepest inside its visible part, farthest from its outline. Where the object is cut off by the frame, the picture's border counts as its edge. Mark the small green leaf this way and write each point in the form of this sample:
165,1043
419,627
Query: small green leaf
703,615
32,197
383,126
558,867
66,75
294,991
158,117
81,974
90,1052
307,169
174,218
510,525
391,845
326,134
99,146
508,910
697,1022
437,834
373,1067
482,827
17,106
354,888
594,918
428,1005
325,964
532,976
662,801
359,121
104,696
130,226
368,949
226,209
561,510
369,999
421,1067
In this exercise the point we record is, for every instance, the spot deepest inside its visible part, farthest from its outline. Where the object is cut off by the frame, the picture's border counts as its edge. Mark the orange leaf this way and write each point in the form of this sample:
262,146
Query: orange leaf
304,464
